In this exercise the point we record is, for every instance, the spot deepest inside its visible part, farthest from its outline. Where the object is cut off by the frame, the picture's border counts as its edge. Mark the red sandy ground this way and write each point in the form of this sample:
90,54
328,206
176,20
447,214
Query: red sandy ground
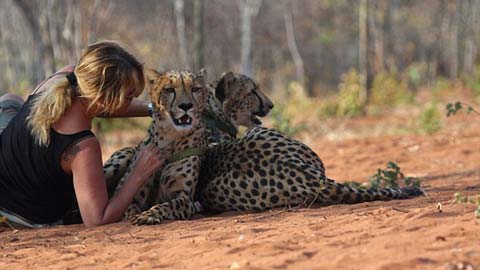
401,234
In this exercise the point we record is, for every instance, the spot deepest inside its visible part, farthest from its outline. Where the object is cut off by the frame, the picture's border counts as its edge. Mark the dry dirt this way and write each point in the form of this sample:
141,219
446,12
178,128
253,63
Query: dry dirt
400,234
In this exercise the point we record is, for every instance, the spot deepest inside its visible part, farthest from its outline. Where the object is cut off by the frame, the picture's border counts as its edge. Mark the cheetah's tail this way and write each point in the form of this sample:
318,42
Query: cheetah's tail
335,192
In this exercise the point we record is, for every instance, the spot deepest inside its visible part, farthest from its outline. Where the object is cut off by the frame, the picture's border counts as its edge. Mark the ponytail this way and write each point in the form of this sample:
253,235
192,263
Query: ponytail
105,73
48,108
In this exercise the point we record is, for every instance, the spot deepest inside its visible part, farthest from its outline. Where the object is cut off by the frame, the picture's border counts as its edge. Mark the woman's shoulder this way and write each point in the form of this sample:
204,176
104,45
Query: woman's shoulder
52,79
69,68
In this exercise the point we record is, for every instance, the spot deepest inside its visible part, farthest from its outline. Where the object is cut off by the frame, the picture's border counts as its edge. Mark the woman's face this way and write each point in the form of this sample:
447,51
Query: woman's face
131,93
129,96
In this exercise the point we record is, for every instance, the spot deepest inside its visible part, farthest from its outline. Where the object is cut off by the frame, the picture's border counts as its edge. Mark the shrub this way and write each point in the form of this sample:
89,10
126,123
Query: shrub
473,82
442,85
282,121
390,177
327,108
459,198
453,108
430,119
388,91
351,101
416,74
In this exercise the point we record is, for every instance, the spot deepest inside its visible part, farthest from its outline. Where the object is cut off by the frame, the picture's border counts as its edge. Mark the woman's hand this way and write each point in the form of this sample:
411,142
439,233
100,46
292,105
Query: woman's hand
95,206
150,159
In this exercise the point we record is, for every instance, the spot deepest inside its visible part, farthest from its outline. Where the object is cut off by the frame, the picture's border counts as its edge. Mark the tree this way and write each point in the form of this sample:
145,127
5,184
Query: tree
181,36
292,46
248,9
39,28
470,10
363,45
198,35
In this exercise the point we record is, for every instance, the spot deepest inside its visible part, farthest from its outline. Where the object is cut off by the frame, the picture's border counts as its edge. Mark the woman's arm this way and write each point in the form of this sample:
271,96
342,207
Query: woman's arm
90,187
137,108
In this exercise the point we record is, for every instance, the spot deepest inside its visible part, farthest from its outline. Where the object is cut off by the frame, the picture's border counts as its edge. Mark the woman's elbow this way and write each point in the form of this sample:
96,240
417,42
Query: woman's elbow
91,223
94,221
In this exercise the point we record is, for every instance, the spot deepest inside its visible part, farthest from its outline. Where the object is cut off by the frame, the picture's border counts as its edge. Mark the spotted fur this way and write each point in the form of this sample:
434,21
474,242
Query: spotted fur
232,101
174,187
266,169
178,99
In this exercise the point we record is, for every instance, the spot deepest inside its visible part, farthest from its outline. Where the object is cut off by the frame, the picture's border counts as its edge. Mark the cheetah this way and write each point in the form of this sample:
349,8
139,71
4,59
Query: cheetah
265,169
178,99
232,101
170,192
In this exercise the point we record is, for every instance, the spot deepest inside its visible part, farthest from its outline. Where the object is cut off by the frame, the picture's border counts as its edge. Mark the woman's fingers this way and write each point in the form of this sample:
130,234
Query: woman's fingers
153,156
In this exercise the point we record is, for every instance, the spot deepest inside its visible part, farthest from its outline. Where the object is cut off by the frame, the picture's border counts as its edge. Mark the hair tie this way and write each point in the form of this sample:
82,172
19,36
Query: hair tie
72,79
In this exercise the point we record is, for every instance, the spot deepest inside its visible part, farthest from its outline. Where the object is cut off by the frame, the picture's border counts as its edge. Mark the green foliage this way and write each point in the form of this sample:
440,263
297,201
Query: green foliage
283,122
390,177
453,108
473,82
442,85
327,108
430,119
351,101
416,74
388,91
459,198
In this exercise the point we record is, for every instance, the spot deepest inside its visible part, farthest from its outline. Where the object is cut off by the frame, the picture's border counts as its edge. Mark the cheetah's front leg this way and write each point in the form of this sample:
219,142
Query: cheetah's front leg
179,208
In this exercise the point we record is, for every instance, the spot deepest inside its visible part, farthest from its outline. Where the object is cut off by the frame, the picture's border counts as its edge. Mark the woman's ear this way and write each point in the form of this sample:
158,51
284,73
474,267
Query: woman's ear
222,91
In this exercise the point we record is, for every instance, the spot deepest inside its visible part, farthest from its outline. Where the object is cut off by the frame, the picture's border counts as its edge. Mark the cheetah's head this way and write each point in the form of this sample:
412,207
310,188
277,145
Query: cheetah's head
178,98
242,101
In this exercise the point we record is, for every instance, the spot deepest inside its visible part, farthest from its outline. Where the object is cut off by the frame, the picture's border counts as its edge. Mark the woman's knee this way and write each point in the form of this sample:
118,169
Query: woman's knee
13,97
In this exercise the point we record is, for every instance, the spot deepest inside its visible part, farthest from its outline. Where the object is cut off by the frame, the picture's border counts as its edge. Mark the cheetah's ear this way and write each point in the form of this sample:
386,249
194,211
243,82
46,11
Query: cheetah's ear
152,76
222,91
202,74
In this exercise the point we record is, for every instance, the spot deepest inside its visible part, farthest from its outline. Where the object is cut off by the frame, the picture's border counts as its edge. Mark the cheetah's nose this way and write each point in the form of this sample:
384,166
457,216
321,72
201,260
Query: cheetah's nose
185,106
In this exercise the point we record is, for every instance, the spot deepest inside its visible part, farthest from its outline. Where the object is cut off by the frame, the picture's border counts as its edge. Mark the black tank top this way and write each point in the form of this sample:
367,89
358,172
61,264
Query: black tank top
32,181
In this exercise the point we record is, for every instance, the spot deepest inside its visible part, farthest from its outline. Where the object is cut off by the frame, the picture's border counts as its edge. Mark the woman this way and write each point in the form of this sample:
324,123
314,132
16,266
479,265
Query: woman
49,156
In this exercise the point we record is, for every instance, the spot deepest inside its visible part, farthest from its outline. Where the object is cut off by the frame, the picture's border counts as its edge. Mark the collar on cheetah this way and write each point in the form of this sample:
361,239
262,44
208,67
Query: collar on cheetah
194,151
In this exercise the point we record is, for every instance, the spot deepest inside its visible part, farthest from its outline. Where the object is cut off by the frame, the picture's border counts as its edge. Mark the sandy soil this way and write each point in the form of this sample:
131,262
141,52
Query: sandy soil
407,234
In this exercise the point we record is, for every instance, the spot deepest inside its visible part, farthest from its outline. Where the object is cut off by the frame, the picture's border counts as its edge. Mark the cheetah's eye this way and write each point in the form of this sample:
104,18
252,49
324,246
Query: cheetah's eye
196,89
169,90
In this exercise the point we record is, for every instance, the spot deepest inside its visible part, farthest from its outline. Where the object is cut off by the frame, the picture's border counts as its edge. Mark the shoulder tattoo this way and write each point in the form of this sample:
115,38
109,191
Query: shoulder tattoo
70,152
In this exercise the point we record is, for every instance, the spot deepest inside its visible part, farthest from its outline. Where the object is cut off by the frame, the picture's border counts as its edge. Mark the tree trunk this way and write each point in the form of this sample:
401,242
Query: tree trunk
181,36
49,57
10,72
198,36
248,9
292,46
363,46
390,34
92,29
376,23
78,41
470,49
453,39
44,53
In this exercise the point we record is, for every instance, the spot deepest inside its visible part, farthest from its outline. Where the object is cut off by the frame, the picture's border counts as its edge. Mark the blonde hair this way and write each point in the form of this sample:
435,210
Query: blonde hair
105,73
